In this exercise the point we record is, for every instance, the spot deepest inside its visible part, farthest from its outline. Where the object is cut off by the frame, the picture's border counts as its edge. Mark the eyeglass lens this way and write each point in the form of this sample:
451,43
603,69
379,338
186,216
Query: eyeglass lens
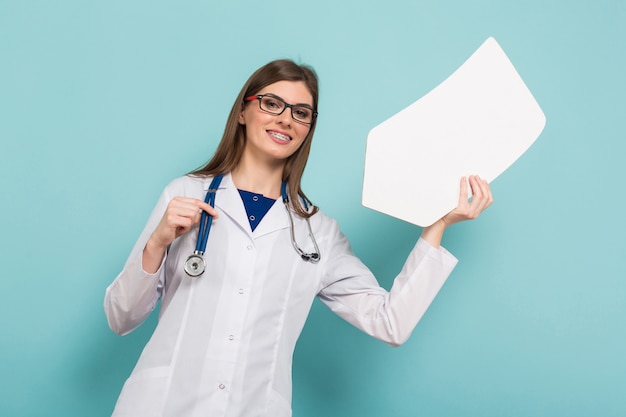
276,105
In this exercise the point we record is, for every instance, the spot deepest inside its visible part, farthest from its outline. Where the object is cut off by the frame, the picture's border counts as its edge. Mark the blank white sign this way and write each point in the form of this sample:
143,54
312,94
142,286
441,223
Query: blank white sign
478,121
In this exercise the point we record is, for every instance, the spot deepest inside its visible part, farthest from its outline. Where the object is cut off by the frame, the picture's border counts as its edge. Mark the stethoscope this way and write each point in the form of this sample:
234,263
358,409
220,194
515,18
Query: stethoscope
196,264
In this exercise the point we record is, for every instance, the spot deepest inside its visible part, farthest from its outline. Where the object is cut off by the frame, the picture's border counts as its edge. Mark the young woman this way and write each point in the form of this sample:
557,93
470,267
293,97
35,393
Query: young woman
231,313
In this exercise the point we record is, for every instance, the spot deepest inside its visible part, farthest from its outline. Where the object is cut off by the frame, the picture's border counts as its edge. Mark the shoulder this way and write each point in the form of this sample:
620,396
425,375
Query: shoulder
323,223
186,186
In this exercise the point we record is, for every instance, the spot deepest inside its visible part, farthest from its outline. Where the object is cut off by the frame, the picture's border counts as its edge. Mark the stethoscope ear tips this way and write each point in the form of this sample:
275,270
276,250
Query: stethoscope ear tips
307,257
311,257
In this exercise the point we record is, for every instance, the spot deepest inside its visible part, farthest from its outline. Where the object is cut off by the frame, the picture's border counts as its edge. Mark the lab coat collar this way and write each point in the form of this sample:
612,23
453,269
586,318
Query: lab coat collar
229,201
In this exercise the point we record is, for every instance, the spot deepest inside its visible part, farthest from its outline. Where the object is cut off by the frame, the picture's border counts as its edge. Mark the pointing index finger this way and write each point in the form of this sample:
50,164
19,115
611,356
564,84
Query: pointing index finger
207,207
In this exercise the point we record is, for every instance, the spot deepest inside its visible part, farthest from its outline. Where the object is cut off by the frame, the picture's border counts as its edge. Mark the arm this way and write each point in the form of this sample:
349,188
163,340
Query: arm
355,295
136,290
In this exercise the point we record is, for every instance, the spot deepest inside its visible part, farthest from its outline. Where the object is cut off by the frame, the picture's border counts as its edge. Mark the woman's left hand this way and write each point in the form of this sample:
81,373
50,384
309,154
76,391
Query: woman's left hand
469,209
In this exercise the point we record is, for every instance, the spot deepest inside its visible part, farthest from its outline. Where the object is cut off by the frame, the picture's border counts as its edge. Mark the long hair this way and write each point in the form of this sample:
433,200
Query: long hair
230,149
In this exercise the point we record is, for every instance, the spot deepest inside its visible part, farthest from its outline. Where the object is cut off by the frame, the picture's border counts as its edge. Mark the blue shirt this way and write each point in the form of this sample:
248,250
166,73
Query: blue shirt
257,205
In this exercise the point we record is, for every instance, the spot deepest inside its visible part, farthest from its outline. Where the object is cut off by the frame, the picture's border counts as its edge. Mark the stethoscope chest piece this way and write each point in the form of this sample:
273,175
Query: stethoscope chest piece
195,265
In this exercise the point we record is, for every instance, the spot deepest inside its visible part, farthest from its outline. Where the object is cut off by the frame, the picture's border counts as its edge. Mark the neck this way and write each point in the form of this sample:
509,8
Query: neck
263,179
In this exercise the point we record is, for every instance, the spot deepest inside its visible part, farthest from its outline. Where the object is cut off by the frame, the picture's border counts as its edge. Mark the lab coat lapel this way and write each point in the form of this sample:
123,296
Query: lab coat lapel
275,219
229,201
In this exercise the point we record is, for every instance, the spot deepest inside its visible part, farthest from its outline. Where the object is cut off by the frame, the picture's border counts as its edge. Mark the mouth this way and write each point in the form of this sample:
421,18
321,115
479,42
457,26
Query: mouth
279,136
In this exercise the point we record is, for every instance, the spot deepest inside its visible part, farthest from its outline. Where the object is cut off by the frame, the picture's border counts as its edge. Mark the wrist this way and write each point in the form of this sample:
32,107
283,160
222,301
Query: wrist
154,247
152,257
434,233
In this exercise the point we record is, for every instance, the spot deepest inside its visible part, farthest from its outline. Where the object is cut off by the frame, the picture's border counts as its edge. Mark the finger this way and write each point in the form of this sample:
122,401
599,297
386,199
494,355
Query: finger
485,191
484,197
480,186
199,206
181,202
181,213
207,207
464,193
190,207
177,219
475,184
185,216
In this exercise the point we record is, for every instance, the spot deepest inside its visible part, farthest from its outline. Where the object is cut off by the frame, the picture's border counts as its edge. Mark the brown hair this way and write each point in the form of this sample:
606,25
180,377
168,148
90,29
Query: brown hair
230,149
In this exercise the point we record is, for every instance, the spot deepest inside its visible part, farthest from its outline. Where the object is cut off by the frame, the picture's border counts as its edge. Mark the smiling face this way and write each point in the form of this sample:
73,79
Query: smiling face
273,138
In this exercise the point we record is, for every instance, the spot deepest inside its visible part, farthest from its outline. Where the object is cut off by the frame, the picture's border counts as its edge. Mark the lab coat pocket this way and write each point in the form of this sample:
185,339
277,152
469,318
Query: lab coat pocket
143,393
278,406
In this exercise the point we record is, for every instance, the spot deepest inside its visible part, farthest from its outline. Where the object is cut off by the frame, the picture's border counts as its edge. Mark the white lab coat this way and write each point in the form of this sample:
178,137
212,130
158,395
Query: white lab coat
224,341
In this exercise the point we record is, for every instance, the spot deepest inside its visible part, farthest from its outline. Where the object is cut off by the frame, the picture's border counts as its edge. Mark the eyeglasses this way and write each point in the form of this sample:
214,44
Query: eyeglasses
275,105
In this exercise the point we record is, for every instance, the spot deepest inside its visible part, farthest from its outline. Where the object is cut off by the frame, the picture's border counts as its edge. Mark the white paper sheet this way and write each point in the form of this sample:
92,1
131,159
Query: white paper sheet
478,121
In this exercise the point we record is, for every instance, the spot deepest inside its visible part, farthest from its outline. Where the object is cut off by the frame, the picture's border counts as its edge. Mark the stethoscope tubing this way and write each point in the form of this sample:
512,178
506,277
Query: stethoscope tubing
196,264
206,220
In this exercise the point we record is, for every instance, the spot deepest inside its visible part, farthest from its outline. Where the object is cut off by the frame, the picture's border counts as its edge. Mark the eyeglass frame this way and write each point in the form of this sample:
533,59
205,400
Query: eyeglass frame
287,105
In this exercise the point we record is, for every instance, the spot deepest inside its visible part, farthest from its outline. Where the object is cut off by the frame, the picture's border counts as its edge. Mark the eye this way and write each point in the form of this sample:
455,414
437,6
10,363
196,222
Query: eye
272,104
302,113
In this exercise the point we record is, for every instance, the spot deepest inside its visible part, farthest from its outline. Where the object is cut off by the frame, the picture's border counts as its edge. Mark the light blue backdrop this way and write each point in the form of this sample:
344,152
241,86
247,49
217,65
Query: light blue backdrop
102,103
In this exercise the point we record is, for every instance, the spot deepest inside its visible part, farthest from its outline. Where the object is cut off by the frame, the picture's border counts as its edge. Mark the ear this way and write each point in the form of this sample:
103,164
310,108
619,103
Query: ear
242,120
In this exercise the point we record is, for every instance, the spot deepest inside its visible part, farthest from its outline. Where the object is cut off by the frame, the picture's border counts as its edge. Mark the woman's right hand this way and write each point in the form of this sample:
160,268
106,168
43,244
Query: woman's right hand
181,214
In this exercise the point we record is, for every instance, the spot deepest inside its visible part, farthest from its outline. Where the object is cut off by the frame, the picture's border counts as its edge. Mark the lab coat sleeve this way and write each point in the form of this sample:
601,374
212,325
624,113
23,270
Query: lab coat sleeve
353,293
134,293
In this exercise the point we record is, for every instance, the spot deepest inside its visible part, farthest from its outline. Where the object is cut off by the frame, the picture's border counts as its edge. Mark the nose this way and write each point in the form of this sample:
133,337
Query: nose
285,117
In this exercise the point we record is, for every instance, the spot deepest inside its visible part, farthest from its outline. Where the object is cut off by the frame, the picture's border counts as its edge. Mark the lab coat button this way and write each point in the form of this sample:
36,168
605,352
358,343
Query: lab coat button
222,386
241,291
231,337
249,247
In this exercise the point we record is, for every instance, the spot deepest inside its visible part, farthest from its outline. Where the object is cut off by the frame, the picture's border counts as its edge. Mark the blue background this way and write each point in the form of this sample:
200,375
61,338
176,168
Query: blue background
102,103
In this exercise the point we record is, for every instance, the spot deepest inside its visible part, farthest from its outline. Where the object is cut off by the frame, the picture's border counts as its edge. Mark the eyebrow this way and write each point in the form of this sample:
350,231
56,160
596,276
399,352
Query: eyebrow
310,106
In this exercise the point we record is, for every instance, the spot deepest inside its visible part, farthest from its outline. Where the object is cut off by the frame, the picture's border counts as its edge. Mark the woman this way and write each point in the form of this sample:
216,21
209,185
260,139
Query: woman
224,342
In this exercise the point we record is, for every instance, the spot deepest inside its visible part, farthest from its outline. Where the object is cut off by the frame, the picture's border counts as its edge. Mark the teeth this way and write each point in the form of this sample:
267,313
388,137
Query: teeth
280,137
